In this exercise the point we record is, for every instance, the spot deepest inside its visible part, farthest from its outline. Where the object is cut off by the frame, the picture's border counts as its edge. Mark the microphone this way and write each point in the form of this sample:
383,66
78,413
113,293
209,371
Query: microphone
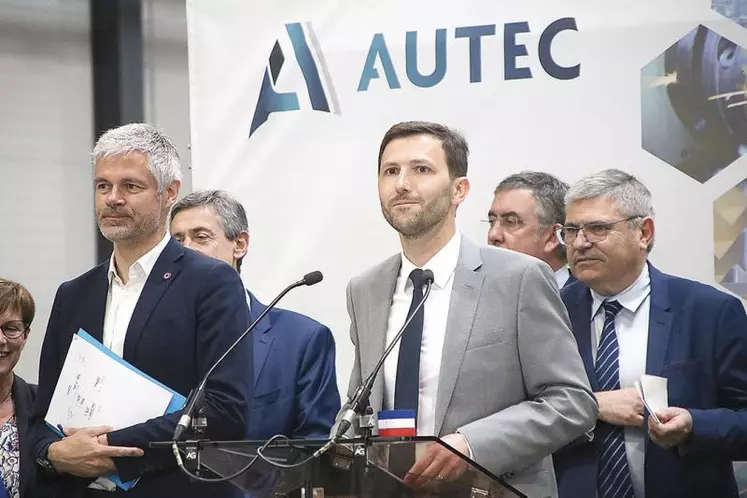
357,403
196,395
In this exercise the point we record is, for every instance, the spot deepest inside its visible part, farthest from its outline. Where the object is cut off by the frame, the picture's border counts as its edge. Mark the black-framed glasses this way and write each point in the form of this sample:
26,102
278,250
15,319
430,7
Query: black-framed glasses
594,231
13,329
509,223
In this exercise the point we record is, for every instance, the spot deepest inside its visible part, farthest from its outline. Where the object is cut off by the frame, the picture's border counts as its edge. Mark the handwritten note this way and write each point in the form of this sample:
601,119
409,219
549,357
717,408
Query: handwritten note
95,388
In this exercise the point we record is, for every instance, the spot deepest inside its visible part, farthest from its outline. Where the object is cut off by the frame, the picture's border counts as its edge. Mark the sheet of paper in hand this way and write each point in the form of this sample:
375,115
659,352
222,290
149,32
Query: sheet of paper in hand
95,388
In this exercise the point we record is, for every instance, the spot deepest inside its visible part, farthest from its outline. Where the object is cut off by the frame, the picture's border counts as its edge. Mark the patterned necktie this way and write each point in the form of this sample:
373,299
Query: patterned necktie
613,476
407,386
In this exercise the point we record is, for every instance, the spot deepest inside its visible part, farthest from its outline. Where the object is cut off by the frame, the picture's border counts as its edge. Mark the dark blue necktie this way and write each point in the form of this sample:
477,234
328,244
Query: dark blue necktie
613,476
407,386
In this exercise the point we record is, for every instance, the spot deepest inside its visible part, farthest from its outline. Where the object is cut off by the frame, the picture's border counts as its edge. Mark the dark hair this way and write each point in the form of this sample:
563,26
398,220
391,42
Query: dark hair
453,143
15,297
230,212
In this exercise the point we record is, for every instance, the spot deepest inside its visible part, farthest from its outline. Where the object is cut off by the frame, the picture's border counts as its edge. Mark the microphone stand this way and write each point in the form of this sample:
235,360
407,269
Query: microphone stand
352,415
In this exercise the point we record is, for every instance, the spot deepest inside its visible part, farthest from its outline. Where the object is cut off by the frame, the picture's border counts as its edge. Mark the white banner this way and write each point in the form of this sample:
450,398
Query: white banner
290,99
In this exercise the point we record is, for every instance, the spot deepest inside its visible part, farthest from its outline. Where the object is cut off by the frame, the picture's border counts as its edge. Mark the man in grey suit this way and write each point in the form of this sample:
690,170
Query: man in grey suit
497,374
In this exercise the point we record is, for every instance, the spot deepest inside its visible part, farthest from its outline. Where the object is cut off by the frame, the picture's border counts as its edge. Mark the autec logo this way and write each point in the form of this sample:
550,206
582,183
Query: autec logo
481,46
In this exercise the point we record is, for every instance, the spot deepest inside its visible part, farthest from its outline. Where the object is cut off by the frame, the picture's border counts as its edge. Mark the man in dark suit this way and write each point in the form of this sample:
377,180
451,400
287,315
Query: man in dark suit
295,385
168,311
631,319
527,209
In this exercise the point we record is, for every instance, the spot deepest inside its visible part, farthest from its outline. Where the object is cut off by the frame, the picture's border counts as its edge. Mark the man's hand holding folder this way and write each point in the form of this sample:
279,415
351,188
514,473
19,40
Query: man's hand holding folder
85,452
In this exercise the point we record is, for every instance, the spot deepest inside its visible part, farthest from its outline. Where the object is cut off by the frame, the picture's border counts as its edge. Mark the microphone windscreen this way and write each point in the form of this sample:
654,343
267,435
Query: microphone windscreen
313,278
428,276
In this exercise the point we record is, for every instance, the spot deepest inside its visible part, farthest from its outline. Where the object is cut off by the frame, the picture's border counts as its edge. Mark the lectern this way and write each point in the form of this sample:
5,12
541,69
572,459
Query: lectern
372,467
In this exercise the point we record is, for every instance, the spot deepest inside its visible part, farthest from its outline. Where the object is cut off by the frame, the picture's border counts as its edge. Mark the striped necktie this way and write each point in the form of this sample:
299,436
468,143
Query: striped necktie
613,476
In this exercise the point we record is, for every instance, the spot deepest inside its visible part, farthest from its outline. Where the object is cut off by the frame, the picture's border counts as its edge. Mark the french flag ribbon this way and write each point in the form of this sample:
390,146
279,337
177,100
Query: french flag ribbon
395,423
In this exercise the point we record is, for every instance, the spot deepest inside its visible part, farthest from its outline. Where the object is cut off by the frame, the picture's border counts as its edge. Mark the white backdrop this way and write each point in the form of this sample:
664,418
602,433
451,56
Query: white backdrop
308,178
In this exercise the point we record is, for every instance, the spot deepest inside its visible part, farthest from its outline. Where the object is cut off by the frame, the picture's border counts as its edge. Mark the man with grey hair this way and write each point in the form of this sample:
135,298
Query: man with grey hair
527,209
630,319
168,311
295,383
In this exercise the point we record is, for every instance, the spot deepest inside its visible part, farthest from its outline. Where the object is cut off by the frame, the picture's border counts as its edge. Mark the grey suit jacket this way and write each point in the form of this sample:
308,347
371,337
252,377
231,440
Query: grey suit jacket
512,380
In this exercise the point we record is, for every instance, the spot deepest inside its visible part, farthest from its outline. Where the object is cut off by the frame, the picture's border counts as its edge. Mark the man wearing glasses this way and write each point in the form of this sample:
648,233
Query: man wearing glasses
527,209
631,319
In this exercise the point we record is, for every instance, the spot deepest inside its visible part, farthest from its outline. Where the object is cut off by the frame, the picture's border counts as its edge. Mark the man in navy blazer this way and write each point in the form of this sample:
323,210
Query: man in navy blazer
295,386
527,209
168,311
631,319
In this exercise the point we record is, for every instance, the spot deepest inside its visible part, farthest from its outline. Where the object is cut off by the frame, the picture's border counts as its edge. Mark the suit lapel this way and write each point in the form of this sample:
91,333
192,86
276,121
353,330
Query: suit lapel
659,323
261,335
96,303
580,314
381,294
465,295
164,272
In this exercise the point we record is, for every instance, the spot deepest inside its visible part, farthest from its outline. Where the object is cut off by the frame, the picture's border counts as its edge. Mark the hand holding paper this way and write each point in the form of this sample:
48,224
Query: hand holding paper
674,429
667,427
98,392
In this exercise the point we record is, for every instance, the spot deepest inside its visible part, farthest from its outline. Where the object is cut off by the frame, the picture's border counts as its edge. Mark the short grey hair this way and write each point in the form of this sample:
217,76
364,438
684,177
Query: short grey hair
549,194
163,158
631,197
548,191
231,214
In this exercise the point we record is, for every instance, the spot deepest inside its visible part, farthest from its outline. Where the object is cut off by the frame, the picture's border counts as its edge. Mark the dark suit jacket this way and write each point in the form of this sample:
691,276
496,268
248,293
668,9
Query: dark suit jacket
295,385
697,339
24,396
571,280
191,310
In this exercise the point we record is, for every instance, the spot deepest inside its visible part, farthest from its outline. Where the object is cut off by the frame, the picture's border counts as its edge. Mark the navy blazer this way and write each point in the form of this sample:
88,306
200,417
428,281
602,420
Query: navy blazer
697,339
571,280
191,310
295,385
24,395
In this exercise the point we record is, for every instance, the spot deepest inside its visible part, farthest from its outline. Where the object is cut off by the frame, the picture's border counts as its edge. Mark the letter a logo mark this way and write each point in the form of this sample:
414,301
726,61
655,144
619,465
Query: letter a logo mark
313,68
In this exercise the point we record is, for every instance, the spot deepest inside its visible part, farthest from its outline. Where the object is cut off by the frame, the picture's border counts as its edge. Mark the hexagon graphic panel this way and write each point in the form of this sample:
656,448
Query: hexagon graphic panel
730,239
694,104
736,10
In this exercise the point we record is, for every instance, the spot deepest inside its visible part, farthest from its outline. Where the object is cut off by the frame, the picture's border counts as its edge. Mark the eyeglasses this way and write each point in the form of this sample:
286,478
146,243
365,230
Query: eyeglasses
509,223
13,329
594,231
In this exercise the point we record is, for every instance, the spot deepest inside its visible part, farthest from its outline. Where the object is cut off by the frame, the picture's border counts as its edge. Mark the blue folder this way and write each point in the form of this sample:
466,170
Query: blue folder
176,404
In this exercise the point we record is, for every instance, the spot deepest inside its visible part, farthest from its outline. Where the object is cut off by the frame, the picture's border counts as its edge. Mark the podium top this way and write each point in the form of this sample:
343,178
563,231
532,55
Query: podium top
360,467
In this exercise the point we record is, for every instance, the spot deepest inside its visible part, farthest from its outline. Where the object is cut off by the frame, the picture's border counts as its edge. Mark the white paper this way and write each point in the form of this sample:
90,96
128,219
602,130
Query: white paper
643,398
96,389
655,391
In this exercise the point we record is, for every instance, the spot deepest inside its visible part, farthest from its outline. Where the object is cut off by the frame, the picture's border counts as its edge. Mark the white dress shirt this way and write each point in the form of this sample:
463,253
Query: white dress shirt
122,298
562,276
631,327
436,311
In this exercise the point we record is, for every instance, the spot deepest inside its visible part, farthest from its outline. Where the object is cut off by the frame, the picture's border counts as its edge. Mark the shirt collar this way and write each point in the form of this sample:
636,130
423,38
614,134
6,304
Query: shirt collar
442,264
144,264
630,298
562,275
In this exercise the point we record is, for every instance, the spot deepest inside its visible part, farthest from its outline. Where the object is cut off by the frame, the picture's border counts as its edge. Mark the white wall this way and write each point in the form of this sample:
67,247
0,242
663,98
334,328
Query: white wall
47,226
46,215
167,75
